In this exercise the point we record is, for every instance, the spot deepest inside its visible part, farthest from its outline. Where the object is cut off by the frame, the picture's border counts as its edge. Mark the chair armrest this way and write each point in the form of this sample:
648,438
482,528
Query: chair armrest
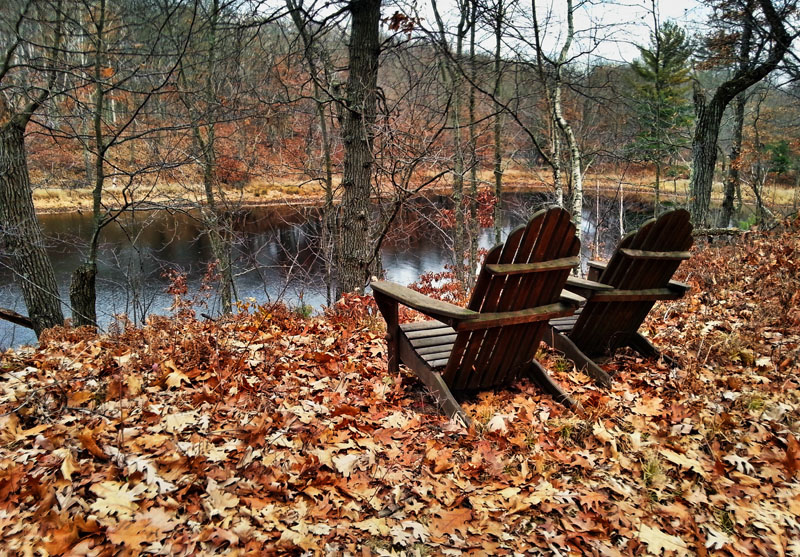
444,311
571,298
680,287
584,287
596,268
587,284
505,318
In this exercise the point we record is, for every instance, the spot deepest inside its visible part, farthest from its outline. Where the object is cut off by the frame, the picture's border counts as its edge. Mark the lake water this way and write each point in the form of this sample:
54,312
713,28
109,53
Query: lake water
275,252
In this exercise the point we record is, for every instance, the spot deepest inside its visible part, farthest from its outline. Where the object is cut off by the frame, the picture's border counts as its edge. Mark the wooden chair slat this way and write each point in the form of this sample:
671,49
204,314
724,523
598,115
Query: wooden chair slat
523,342
422,325
656,255
425,333
537,267
496,340
432,341
446,347
481,342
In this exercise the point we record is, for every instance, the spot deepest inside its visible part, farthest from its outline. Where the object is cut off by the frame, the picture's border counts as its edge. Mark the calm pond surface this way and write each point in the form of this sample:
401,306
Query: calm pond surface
275,254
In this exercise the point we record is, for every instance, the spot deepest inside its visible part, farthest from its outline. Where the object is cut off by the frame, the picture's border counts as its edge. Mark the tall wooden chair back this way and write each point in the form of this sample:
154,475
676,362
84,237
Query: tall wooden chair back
639,270
489,357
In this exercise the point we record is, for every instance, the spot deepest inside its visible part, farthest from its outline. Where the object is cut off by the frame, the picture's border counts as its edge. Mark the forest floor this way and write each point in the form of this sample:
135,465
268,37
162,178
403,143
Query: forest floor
270,433
285,191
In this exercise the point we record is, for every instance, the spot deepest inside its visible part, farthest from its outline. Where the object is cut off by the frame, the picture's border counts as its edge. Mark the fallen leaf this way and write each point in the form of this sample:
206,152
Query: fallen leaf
449,521
658,541
346,463
684,461
114,498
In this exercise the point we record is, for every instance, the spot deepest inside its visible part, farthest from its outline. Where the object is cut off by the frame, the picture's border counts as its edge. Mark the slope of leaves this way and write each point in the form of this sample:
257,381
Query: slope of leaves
269,433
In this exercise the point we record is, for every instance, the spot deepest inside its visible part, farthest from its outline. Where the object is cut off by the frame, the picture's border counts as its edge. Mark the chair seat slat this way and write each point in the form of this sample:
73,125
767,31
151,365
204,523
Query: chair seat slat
426,333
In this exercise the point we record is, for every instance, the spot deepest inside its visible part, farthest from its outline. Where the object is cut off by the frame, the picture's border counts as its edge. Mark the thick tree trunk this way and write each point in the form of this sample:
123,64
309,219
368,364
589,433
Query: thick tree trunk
732,181
709,115
355,253
21,236
704,157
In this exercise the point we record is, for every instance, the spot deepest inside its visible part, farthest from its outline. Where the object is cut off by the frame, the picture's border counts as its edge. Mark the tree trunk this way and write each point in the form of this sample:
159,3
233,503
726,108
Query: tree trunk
709,115
732,181
498,123
358,122
576,170
82,294
20,232
657,204
82,290
328,235
575,164
704,157
474,225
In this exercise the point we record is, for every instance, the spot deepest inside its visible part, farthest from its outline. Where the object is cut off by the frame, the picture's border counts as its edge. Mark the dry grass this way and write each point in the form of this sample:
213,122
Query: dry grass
188,190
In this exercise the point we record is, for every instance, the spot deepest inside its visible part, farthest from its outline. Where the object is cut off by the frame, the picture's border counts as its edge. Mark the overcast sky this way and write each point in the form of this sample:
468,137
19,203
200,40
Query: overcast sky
608,29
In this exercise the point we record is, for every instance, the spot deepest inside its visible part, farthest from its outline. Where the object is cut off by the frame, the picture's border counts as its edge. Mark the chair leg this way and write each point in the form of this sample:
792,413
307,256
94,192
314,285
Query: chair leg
444,397
562,343
435,383
643,346
540,376
389,309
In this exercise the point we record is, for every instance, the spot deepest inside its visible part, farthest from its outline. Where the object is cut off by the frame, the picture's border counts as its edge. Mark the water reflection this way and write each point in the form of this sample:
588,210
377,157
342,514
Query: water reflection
276,252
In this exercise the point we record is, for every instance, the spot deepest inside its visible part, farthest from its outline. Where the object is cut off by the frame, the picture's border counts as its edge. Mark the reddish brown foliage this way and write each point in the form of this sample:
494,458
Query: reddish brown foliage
268,433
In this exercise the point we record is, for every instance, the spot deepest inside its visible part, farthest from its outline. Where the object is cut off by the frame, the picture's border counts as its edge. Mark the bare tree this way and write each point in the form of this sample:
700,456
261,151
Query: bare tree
768,21
358,116
31,37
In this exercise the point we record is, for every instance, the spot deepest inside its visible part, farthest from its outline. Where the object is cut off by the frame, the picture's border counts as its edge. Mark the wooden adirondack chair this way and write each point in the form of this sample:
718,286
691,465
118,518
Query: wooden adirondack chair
619,295
494,339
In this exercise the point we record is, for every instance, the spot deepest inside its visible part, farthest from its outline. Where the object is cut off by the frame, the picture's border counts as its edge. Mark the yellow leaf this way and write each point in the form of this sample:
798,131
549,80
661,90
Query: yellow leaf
375,526
345,463
133,534
658,541
509,492
68,464
175,379
218,500
684,461
650,406
116,498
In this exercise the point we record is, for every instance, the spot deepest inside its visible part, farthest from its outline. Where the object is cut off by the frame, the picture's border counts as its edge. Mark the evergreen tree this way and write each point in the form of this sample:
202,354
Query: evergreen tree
661,98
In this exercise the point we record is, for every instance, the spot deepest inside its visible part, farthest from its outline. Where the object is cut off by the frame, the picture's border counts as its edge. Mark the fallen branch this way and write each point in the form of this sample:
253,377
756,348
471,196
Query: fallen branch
16,318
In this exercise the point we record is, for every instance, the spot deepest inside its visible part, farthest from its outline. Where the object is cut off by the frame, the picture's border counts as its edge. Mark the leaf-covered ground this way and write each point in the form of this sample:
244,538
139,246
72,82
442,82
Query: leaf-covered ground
271,433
